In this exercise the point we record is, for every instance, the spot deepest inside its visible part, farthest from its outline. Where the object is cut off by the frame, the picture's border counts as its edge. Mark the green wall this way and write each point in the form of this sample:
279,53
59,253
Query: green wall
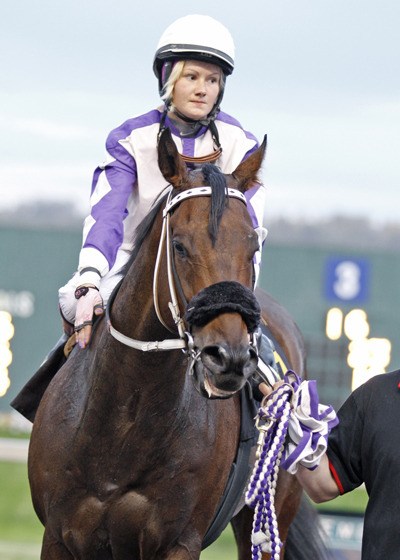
33,265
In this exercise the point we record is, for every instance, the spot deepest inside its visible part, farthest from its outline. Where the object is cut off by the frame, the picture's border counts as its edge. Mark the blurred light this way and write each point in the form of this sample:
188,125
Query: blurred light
356,324
334,321
367,358
4,382
6,333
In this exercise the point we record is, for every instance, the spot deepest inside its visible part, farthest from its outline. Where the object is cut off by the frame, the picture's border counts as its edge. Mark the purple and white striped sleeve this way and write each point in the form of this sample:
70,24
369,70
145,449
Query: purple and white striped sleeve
112,185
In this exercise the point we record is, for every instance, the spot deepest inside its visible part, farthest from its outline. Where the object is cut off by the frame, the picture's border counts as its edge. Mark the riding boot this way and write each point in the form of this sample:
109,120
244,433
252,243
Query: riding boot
28,399
267,368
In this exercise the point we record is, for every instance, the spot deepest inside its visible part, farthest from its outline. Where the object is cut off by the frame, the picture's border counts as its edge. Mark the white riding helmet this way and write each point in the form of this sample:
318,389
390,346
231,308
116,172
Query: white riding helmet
194,37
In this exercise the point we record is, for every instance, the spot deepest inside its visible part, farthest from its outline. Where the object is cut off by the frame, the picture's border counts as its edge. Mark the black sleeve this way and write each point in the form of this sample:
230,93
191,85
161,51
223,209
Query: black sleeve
345,446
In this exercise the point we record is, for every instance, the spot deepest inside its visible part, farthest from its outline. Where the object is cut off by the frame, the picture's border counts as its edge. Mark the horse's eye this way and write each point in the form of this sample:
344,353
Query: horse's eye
179,249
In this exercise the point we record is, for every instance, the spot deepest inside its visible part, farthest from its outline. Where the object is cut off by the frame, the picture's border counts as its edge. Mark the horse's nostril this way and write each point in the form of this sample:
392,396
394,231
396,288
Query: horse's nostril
215,355
220,359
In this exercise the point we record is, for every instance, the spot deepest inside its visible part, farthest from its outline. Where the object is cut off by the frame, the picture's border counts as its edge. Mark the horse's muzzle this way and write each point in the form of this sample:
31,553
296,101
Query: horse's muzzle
221,372
221,369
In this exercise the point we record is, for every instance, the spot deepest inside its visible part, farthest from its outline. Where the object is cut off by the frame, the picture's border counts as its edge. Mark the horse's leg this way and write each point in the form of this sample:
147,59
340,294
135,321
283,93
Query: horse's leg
242,527
54,550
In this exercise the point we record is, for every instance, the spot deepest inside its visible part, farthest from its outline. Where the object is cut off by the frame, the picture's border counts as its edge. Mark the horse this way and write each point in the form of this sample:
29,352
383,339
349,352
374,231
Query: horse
135,437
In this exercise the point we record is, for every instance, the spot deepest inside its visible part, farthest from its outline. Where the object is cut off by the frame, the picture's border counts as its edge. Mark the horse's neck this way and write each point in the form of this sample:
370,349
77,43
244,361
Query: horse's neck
130,378
133,312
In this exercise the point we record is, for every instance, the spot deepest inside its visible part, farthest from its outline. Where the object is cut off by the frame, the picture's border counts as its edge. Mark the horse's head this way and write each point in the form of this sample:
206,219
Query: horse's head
213,244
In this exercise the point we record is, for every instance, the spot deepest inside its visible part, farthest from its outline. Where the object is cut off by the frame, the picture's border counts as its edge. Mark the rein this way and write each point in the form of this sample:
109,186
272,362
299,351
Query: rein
185,340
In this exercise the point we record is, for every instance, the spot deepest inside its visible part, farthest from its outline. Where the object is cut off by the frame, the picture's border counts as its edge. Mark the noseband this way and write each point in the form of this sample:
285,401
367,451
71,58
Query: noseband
206,305
223,297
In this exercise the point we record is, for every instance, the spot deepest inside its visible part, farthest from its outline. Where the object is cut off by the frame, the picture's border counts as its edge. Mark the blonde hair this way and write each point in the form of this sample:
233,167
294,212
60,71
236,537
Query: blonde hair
173,78
176,73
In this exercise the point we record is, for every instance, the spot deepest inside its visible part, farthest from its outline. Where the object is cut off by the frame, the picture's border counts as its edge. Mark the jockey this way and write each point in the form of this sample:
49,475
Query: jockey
193,58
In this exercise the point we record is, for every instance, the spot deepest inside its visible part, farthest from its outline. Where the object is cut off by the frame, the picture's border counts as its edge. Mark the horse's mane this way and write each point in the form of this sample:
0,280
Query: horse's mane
143,229
214,178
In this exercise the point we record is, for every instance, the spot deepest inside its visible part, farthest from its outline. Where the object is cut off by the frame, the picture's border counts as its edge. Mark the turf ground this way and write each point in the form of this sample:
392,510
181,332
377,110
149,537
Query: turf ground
21,532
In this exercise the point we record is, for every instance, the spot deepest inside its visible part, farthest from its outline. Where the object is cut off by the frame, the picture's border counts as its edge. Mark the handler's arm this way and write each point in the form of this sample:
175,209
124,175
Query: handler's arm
319,483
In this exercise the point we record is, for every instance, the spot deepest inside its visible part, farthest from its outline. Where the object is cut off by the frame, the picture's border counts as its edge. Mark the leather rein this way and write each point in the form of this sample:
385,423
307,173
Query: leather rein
185,340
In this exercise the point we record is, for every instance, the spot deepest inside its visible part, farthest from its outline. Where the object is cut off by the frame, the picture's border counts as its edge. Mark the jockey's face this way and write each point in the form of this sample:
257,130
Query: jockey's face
196,90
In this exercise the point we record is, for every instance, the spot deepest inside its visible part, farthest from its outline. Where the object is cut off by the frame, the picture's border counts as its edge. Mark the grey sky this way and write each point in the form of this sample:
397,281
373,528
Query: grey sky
321,77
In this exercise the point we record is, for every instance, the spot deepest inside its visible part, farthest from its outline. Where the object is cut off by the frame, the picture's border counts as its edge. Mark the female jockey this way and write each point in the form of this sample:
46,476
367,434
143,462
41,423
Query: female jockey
194,56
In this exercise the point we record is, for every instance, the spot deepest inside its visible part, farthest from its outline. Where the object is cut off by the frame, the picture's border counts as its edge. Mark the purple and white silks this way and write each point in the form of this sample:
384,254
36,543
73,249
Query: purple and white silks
126,184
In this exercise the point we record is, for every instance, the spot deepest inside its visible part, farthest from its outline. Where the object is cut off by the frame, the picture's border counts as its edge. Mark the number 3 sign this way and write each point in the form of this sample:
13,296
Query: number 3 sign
346,280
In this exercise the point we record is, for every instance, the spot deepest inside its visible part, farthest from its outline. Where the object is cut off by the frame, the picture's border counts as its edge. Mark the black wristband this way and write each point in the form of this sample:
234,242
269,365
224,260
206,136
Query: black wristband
83,290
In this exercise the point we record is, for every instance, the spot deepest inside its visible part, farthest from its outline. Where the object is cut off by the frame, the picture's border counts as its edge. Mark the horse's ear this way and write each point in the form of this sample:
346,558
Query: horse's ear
170,162
247,171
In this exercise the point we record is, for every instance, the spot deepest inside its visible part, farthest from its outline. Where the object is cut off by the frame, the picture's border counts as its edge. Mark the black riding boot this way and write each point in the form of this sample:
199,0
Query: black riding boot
28,399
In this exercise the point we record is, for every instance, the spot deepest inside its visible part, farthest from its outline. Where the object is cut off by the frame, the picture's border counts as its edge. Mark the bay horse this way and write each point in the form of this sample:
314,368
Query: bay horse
131,449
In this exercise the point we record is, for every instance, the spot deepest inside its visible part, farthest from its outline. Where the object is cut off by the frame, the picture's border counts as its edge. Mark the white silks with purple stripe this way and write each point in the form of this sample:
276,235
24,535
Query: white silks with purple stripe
309,425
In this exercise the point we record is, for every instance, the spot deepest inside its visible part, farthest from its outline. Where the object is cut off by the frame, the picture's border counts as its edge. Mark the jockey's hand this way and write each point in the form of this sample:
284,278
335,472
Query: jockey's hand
89,303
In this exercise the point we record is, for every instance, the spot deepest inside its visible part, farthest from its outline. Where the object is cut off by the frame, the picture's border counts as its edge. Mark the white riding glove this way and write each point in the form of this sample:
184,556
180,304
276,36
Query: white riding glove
89,303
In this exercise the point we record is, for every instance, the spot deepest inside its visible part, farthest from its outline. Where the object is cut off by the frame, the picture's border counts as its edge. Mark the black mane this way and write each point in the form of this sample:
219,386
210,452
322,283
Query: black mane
214,178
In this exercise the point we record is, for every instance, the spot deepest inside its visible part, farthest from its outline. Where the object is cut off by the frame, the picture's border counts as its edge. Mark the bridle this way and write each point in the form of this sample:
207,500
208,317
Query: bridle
185,340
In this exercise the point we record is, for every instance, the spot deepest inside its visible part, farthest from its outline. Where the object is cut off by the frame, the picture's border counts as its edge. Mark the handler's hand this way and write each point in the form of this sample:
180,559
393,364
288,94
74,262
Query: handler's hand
267,390
87,306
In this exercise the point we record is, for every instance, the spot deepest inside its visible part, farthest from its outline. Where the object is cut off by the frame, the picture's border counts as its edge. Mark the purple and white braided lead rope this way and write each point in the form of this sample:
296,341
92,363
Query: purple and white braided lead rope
294,429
